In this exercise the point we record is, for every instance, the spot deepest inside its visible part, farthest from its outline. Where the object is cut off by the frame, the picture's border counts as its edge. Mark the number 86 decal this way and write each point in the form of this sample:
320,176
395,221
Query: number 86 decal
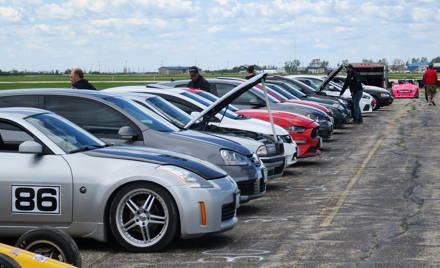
35,199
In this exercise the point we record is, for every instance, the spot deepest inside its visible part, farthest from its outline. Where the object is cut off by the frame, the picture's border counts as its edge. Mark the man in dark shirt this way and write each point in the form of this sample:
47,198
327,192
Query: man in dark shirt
251,72
78,81
353,81
197,81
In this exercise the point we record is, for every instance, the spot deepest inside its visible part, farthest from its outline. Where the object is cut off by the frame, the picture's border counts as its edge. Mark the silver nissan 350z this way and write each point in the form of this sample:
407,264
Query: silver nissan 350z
52,172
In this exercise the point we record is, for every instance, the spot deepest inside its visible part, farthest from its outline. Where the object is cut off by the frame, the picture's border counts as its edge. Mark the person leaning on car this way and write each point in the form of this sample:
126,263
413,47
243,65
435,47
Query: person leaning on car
197,81
353,81
430,82
78,81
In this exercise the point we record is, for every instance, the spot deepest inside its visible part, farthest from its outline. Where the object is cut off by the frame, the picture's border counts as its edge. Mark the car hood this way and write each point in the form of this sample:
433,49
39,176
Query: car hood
311,104
330,77
375,89
405,87
224,101
285,119
221,142
160,157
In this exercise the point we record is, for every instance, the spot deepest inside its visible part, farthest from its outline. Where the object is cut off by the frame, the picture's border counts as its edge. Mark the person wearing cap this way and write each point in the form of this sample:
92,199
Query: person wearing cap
78,81
251,72
197,81
353,81
430,82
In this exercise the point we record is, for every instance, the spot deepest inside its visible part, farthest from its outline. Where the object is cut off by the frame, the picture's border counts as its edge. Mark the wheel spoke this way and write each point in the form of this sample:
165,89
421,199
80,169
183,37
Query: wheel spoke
145,233
157,219
130,224
149,203
132,206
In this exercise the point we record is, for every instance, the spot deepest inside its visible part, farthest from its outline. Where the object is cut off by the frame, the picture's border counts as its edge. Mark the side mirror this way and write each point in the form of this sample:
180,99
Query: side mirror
126,133
30,147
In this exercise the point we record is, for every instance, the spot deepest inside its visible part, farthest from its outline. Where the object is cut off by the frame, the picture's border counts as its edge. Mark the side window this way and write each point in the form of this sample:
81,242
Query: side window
186,107
11,136
222,89
19,101
97,118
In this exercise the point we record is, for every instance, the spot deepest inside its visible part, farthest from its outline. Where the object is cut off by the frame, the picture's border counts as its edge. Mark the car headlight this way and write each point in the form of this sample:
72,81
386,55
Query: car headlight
335,105
262,150
232,158
189,178
296,129
383,94
342,101
365,97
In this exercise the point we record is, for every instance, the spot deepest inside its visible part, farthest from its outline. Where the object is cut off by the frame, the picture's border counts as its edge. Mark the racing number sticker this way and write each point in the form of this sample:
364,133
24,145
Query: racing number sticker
35,199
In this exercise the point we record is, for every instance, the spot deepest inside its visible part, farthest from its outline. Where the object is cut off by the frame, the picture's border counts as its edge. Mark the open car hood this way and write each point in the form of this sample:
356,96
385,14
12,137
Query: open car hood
330,77
224,101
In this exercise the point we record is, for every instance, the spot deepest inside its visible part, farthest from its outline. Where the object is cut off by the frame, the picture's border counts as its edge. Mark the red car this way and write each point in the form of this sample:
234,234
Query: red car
303,130
405,89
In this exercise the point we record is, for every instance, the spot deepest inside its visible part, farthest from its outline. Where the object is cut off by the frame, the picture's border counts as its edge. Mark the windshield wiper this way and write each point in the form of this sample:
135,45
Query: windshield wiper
88,148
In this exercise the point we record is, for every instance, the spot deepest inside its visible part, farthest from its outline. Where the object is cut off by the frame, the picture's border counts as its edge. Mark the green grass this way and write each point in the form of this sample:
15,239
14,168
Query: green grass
63,85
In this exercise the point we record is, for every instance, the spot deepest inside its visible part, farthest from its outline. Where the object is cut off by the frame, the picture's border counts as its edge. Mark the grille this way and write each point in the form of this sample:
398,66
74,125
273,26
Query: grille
315,132
275,171
250,187
228,211
262,186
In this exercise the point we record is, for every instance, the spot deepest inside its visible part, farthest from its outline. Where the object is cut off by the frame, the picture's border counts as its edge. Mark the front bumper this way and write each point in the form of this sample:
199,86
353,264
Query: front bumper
244,176
325,129
274,165
385,101
221,203
400,94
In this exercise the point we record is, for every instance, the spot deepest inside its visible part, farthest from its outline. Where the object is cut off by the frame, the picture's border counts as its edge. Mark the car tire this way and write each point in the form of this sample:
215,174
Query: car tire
52,243
143,217
8,262
377,106
416,95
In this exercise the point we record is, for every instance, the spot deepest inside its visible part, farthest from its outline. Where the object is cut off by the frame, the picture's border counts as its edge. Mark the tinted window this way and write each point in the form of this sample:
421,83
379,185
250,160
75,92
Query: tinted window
173,113
222,89
19,101
11,136
95,117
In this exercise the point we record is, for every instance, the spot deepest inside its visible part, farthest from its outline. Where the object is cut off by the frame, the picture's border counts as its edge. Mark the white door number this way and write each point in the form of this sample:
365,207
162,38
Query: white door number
35,199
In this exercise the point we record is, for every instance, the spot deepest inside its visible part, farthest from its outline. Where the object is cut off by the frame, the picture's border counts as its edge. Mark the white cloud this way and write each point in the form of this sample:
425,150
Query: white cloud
10,14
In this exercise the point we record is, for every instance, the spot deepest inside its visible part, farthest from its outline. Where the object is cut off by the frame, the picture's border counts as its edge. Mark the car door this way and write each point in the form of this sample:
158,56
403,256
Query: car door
96,117
34,189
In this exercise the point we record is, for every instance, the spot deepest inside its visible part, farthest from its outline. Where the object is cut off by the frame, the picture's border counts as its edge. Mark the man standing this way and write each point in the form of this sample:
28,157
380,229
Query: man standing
251,72
430,82
78,81
353,81
197,81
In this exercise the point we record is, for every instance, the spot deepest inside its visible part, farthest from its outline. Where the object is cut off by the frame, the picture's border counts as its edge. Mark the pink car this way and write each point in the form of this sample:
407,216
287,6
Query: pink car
405,89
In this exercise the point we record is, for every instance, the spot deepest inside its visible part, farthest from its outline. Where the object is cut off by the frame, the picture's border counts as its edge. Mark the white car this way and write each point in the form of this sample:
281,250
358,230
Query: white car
193,104
334,89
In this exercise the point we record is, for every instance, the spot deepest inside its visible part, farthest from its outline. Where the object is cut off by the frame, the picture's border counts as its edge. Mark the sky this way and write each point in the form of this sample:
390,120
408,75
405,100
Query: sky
106,35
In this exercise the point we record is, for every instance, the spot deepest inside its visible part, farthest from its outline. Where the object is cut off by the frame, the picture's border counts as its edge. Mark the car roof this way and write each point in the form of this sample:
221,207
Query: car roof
66,91
20,112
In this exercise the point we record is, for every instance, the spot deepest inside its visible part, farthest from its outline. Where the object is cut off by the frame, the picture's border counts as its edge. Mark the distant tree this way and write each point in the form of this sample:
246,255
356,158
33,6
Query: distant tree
436,60
344,62
367,61
423,59
324,64
292,66
67,71
415,60
398,62
383,61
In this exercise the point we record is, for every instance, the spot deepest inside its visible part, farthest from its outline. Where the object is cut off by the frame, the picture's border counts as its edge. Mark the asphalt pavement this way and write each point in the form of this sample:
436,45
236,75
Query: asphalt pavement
370,200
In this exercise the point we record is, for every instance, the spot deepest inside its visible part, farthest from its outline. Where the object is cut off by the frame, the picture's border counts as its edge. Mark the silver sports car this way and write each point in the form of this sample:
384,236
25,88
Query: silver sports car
52,172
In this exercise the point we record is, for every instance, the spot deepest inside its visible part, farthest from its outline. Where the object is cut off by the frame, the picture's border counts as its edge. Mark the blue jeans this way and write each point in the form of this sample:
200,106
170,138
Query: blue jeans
357,114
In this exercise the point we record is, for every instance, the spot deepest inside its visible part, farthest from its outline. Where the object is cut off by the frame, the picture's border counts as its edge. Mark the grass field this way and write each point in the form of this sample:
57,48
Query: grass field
106,81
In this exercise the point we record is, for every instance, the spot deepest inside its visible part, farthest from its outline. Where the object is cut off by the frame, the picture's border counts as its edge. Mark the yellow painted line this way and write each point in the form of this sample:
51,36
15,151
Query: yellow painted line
343,196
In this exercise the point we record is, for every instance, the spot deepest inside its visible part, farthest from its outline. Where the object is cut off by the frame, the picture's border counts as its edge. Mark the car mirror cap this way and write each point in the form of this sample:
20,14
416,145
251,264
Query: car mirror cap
30,147
126,133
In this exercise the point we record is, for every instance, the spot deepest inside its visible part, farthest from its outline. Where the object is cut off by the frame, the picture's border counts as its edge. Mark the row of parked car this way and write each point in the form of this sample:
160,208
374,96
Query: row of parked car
145,164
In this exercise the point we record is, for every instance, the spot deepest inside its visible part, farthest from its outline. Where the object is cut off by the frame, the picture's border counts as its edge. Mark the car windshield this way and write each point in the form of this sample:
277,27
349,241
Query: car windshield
142,114
280,89
170,111
260,93
68,136
213,98
293,89
226,112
